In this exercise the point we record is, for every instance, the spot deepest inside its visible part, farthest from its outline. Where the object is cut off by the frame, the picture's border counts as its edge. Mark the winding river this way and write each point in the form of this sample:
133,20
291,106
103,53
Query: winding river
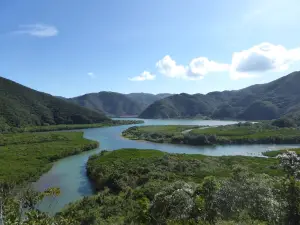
69,174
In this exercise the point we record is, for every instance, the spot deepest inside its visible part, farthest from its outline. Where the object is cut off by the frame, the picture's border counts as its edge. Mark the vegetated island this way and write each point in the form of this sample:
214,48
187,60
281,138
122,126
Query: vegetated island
26,156
242,133
153,187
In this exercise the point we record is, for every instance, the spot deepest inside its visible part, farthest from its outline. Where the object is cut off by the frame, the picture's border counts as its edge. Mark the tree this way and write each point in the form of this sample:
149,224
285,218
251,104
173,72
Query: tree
206,201
290,162
248,196
175,202
18,206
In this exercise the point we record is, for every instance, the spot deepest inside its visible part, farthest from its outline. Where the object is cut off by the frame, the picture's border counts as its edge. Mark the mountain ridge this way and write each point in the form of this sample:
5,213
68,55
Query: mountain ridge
256,102
23,106
117,104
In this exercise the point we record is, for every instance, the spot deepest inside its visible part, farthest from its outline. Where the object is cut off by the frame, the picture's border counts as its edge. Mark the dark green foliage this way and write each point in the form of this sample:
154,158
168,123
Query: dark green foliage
124,168
21,106
74,126
257,102
26,156
260,110
291,192
180,106
284,122
242,133
153,187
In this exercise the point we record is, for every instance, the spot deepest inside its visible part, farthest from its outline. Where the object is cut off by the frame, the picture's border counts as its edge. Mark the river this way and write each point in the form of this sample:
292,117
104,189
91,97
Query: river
69,174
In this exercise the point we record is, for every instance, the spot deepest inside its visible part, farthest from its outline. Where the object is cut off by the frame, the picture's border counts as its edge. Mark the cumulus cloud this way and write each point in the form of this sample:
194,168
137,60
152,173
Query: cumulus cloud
91,75
196,69
143,76
262,58
167,66
38,30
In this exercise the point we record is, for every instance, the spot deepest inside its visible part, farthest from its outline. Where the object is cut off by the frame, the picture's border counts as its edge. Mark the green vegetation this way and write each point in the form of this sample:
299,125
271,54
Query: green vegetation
18,206
139,166
242,133
258,102
146,99
117,104
74,126
152,187
26,156
160,133
112,103
22,107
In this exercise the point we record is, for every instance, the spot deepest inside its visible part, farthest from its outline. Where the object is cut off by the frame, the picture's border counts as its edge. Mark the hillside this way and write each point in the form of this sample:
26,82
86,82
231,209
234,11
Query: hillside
112,103
22,106
258,102
146,99
117,104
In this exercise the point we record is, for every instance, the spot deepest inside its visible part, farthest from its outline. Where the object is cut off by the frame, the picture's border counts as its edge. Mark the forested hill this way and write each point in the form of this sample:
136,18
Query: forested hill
22,106
117,104
112,103
258,102
146,99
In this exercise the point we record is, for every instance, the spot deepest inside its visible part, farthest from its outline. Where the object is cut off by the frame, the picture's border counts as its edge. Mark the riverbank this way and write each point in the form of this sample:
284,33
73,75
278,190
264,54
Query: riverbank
278,152
247,133
62,127
24,157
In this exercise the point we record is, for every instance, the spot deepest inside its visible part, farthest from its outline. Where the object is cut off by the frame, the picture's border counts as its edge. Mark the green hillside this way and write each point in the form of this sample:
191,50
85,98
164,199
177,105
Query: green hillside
117,104
22,106
112,103
146,99
258,102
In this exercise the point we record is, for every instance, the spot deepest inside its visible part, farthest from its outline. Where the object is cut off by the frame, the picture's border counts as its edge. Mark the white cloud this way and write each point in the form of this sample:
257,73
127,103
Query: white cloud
196,69
91,75
143,76
262,58
38,30
167,66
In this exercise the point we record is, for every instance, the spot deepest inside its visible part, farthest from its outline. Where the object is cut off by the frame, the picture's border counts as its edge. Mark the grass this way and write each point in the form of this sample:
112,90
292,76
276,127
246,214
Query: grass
26,156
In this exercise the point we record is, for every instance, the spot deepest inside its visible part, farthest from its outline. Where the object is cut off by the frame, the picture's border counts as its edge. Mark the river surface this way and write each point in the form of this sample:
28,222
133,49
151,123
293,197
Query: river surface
69,174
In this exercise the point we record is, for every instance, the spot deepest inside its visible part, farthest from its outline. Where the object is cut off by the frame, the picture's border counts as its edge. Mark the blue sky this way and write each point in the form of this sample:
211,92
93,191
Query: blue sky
73,47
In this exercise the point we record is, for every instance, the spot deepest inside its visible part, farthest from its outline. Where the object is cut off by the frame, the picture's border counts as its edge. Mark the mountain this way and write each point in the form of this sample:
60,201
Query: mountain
117,104
258,102
112,103
146,99
22,106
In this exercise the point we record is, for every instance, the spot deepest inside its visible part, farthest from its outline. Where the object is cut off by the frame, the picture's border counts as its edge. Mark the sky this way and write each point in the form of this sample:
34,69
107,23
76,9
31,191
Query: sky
72,47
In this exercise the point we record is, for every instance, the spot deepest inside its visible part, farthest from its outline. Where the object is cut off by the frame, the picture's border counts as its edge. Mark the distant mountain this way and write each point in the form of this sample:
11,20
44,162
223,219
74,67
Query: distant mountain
146,99
22,106
112,103
258,102
117,104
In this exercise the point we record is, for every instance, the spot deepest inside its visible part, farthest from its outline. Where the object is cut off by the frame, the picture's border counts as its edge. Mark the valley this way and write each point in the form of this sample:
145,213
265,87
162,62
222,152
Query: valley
107,164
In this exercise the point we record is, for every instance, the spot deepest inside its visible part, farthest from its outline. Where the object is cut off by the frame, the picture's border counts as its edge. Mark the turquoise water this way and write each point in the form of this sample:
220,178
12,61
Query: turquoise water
69,174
